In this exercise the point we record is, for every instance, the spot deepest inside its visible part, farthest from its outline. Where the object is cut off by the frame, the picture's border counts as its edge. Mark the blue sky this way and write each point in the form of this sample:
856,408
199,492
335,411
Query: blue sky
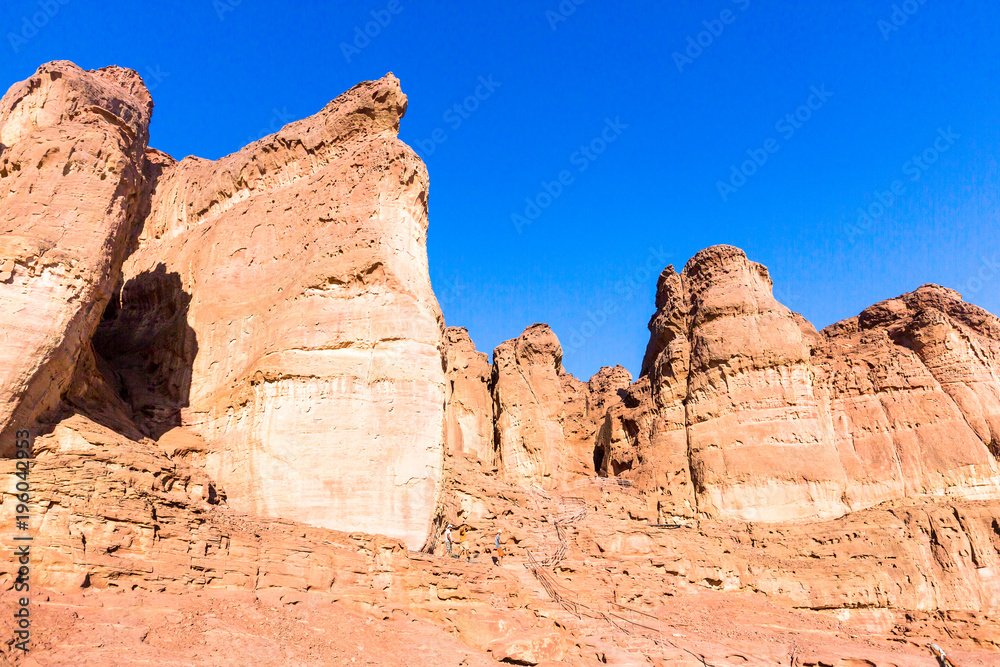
642,132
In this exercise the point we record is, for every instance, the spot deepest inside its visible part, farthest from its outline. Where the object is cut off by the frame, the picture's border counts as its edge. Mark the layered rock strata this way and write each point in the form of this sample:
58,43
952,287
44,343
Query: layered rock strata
773,421
279,305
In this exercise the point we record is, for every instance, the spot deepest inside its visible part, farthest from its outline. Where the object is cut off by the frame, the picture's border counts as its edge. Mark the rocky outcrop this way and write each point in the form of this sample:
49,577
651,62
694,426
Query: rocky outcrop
913,385
585,404
220,363
470,405
279,305
773,421
528,406
71,195
546,420
756,438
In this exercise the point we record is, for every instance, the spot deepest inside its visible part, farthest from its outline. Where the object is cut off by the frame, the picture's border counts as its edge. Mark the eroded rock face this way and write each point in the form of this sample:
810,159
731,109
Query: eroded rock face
470,405
546,420
773,421
72,148
756,437
528,406
275,330
279,305
913,385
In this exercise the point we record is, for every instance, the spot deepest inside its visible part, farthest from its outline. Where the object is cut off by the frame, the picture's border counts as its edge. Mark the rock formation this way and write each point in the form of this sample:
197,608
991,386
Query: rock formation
528,406
546,420
281,296
246,416
71,194
732,392
470,405
913,386
275,302
775,421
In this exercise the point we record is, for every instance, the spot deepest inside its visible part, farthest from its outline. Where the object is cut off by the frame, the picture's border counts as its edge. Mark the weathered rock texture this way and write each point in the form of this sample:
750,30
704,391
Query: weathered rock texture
470,405
773,421
129,515
546,420
913,385
279,305
71,193
274,348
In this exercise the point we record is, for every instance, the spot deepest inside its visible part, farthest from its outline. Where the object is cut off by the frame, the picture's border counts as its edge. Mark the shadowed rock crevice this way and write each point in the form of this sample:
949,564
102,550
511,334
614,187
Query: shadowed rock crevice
150,349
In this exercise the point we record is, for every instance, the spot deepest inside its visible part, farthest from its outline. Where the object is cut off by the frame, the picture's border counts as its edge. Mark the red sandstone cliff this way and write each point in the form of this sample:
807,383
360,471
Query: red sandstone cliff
243,404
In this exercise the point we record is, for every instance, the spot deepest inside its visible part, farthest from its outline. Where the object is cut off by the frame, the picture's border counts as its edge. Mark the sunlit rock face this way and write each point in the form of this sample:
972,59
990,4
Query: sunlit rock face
744,411
71,194
279,305
545,420
470,405
913,388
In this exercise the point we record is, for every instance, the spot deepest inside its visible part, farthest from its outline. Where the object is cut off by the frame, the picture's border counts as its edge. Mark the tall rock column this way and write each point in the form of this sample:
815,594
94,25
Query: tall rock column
724,419
72,148
470,405
528,406
280,306
546,420
758,442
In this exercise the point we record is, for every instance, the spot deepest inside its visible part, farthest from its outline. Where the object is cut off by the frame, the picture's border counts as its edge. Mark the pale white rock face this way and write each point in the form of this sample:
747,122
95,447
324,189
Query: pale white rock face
281,295
71,181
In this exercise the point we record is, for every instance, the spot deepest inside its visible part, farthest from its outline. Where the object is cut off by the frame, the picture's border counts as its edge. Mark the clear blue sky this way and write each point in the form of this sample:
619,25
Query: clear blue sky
227,72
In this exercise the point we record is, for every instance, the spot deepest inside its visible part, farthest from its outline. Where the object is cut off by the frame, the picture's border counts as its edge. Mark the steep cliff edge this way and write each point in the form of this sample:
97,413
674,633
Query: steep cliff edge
279,305
71,197
275,302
